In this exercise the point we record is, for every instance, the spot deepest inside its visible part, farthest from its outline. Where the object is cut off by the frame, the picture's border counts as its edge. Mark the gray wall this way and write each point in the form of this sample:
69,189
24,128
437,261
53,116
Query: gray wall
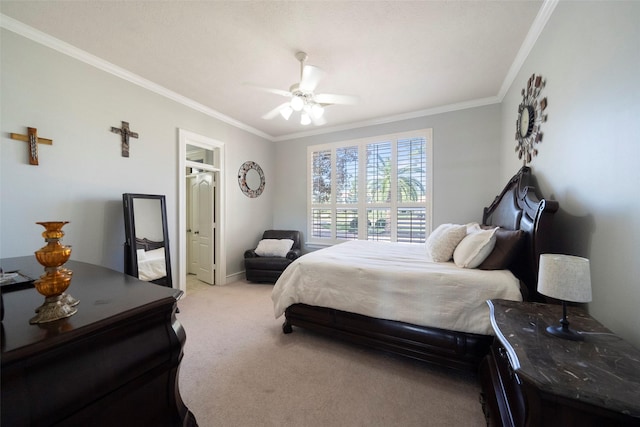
466,159
82,176
589,52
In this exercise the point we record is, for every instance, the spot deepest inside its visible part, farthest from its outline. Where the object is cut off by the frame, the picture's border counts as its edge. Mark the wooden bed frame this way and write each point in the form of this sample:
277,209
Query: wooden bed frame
148,245
518,207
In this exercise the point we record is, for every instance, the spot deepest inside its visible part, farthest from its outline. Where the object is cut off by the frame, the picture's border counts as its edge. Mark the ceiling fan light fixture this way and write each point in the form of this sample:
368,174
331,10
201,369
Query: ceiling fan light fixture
297,103
303,99
286,112
317,110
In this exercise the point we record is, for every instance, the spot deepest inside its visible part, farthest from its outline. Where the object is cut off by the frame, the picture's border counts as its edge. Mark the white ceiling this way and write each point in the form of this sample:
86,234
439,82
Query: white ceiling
401,58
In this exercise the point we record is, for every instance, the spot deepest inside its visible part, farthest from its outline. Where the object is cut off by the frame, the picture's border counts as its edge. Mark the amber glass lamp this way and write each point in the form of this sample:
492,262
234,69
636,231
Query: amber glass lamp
56,279
566,278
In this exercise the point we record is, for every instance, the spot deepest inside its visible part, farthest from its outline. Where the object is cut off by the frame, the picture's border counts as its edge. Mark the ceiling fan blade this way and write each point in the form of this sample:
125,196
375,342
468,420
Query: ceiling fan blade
330,98
274,113
269,90
311,76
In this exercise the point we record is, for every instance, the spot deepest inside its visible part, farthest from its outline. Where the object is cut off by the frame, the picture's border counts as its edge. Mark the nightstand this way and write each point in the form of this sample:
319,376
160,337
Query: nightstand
531,378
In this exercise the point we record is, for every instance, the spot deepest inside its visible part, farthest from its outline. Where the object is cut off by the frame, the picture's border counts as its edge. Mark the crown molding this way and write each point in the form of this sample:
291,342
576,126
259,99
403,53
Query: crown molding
547,8
396,118
79,54
537,26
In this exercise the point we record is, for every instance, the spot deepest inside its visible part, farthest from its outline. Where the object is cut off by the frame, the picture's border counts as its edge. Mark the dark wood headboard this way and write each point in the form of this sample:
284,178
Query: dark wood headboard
147,244
520,206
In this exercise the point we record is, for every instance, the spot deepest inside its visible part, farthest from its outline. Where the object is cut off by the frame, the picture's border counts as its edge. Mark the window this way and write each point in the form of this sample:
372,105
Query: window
375,188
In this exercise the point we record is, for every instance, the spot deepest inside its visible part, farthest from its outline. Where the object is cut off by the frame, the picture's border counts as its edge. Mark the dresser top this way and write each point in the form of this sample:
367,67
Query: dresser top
603,370
106,296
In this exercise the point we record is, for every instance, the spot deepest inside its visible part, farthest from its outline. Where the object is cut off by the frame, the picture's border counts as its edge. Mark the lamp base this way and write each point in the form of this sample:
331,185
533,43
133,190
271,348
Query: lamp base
565,332
54,308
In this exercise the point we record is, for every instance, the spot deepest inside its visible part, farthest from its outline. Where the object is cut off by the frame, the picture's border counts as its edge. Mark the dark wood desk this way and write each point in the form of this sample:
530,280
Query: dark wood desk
114,363
531,378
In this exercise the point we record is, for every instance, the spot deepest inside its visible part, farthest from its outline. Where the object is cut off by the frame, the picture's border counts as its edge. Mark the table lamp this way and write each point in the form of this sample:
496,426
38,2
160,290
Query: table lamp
566,278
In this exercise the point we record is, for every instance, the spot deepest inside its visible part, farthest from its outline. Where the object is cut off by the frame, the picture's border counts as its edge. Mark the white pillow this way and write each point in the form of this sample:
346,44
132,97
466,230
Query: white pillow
475,248
443,241
473,227
274,247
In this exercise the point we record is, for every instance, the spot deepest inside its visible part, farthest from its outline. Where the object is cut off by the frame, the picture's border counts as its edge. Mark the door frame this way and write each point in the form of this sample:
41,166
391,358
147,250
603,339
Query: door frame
185,138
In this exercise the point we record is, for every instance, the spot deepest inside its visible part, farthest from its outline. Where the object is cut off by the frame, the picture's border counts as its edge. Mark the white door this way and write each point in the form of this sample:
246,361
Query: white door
192,225
205,229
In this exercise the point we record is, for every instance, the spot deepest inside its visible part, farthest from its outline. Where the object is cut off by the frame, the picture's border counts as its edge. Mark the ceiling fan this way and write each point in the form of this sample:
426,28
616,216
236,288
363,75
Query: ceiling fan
303,99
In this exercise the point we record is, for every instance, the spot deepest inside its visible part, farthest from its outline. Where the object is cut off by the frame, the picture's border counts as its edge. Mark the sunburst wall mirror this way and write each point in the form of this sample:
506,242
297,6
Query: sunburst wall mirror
251,179
530,116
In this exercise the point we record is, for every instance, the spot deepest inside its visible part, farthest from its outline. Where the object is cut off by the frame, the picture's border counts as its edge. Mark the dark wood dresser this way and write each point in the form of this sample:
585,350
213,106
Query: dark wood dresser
113,363
531,378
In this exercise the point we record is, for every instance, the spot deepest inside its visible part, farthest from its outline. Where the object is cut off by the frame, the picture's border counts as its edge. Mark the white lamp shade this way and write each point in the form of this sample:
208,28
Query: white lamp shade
565,277
297,103
286,112
317,110
305,119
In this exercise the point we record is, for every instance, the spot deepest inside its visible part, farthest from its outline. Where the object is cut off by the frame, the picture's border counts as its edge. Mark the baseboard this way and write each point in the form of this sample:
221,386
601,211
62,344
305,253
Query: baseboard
234,277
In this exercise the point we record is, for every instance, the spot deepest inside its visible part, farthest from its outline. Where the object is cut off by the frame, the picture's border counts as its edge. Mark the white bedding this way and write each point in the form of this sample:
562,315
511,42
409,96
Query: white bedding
394,281
151,265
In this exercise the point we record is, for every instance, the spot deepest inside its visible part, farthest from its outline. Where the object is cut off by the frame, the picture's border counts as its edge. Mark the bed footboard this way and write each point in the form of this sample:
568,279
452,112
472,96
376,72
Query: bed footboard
287,328
442,347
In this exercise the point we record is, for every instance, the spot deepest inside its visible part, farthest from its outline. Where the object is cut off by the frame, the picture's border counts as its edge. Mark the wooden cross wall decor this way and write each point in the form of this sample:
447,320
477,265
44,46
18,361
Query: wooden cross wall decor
125,133
32,139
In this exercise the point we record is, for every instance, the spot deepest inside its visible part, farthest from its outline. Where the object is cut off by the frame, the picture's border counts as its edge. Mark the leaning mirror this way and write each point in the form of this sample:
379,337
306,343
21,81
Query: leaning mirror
146,252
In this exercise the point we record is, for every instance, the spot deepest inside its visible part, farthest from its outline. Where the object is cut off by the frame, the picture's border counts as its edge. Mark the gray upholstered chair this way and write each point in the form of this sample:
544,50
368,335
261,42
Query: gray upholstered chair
269,268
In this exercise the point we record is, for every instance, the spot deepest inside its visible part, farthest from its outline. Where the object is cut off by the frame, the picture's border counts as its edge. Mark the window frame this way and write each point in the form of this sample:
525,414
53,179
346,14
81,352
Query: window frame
361,205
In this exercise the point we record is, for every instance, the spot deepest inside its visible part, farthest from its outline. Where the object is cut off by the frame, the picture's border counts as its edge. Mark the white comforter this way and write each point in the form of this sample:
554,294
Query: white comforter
151,265
394,281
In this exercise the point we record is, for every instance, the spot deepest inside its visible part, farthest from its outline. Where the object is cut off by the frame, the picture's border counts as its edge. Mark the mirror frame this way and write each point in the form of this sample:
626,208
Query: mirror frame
242,179
130,248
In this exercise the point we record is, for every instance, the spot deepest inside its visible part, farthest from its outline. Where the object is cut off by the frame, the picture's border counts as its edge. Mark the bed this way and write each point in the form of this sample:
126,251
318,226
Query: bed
425,326
151,260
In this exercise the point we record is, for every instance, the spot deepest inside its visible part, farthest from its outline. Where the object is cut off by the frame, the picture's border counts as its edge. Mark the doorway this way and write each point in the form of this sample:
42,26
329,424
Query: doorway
201,224
201,212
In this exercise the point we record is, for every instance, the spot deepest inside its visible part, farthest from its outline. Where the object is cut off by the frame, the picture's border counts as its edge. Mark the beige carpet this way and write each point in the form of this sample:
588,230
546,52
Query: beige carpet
239,369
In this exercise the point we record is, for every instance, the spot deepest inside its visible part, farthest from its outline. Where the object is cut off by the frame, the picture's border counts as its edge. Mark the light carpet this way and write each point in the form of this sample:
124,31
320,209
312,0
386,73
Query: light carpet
239,369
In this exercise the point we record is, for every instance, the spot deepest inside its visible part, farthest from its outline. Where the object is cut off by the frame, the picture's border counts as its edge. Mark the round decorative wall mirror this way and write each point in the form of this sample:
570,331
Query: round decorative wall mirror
530,115
251,179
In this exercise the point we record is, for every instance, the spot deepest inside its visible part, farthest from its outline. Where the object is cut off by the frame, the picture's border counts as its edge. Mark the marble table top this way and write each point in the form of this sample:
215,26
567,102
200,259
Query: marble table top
603,370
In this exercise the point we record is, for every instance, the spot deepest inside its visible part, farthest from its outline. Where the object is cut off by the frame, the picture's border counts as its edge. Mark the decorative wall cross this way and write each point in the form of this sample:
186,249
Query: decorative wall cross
32,139
125,133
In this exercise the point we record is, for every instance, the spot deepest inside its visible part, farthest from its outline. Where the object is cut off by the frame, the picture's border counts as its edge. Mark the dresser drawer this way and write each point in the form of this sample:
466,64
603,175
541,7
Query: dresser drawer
558,382
509,387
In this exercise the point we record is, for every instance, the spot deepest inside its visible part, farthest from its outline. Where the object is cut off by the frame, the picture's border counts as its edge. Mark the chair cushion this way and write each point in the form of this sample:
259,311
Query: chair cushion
266,263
